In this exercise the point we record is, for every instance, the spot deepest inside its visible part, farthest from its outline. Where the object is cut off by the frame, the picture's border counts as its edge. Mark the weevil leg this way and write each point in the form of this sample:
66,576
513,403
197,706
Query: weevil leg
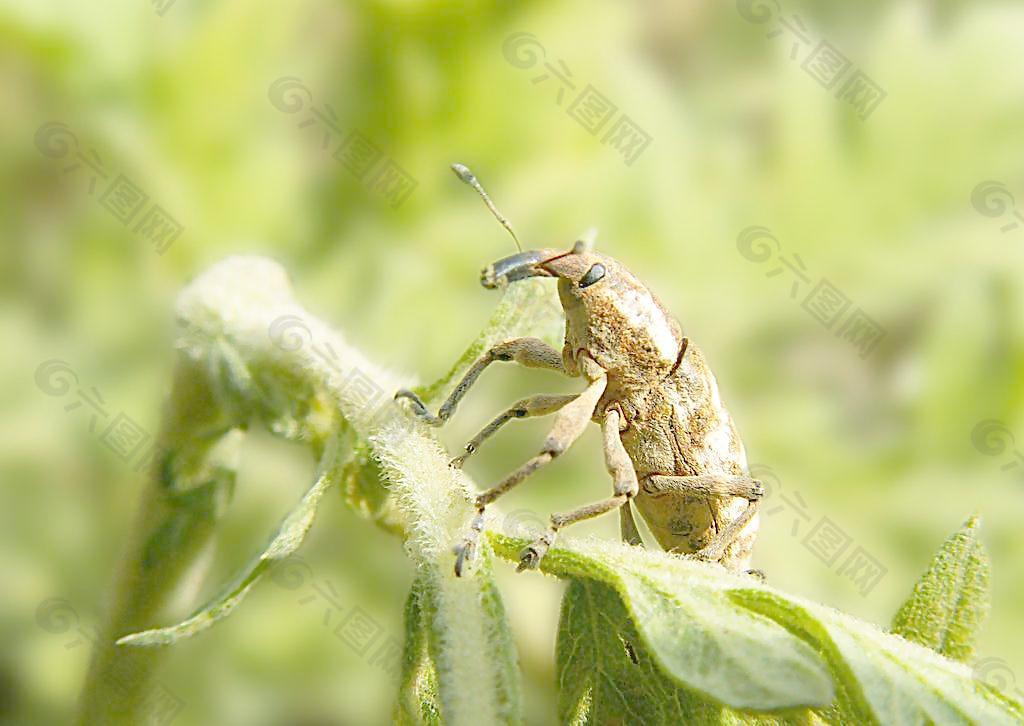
707,485
714,485
540,405
529,352
466,548
713,551
627,526
570,421
625,487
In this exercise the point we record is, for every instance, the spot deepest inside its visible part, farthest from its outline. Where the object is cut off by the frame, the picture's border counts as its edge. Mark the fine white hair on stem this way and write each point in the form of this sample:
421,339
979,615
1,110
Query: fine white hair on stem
249,301
433,497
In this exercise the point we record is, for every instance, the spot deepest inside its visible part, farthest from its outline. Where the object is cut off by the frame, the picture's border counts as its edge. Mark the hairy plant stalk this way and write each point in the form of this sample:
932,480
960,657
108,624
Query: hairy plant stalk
249,343
477,684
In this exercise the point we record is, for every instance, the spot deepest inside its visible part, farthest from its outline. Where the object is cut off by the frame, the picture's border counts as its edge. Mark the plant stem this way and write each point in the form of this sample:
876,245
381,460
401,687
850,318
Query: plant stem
173,526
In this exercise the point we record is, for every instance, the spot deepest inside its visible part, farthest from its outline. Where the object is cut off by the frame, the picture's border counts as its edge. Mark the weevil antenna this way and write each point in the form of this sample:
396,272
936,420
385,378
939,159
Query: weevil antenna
462,172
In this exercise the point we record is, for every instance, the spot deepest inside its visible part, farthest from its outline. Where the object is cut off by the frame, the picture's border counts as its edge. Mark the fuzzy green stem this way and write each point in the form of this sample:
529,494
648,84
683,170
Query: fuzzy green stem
259,356
174,525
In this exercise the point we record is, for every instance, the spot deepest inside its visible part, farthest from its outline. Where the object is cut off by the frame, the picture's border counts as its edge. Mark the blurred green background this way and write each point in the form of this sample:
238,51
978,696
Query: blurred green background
876,451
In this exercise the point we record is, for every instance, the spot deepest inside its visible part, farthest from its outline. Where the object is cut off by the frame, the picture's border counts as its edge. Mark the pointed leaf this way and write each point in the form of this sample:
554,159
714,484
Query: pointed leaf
882,678
950,601
418,701
289,536
699,622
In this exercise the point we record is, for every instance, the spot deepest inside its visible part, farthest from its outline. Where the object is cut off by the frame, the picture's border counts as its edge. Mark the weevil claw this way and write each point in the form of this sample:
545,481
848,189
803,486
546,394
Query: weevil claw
466,549
698,556
528,560
464,552
757,575
458,461
530,557
418,407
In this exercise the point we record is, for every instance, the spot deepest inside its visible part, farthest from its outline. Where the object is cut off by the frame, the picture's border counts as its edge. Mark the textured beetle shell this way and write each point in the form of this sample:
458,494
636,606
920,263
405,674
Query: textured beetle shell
685,430
674,421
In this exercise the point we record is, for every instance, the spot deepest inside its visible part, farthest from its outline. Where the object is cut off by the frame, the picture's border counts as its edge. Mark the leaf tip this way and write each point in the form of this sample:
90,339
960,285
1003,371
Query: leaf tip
142,639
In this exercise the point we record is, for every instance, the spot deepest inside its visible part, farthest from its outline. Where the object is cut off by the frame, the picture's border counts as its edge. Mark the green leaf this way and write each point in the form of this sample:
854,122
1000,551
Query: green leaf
882,678
418,701
607,675
189,511
287,540
950,601
499,640
751,647
364,489
697,635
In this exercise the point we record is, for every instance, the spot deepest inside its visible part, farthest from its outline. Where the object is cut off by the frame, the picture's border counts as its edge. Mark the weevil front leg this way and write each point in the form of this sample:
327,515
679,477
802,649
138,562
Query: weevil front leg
714,485
570,421
529,352
540,405
625,488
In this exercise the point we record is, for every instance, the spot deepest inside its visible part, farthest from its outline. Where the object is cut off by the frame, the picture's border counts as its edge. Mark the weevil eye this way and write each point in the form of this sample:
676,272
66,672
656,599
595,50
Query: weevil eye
594,274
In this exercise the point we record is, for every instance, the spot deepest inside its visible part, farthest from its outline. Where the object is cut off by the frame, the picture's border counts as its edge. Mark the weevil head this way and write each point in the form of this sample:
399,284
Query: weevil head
609,313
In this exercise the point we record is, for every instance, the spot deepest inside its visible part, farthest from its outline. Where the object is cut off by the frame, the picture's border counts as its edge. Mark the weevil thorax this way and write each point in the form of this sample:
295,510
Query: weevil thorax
612,316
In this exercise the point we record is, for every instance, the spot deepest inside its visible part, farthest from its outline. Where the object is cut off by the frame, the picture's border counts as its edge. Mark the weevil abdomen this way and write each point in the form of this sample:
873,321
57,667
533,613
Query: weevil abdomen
682,429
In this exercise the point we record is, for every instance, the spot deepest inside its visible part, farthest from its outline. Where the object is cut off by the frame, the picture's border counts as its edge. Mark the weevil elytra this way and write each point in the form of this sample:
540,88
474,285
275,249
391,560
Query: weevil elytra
670,445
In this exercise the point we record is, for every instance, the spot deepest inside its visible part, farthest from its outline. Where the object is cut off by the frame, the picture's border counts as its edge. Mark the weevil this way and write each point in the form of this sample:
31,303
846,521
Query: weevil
670,445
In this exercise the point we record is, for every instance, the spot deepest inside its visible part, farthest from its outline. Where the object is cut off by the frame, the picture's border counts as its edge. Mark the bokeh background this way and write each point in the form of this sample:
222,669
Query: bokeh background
896,189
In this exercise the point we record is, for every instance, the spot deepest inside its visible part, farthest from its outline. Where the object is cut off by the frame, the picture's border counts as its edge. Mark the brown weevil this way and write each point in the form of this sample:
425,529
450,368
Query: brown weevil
670,445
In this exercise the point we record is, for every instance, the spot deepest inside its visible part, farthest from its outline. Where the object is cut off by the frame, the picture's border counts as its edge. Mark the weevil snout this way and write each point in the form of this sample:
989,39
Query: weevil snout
569,264
516,267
